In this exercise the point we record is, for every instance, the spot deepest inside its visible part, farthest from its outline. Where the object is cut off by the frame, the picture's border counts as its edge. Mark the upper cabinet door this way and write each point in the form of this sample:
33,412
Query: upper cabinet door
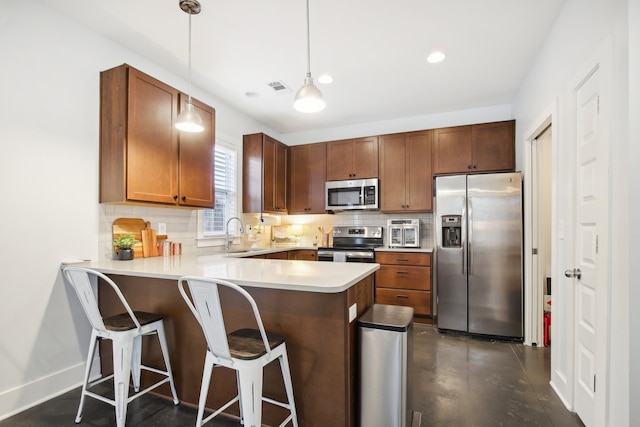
307,178
152,143
452,150
419,172
494,146
280,178
393,172
197,159
365,162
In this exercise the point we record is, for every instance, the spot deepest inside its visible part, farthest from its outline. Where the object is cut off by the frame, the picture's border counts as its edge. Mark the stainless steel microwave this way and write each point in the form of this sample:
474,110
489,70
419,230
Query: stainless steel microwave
351,194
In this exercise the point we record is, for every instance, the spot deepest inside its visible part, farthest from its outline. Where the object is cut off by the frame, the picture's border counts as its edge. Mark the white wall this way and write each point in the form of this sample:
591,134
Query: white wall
49,117
634,209
581,29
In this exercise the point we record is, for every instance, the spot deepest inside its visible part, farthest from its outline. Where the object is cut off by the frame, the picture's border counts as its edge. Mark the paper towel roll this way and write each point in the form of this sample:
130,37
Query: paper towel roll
339,257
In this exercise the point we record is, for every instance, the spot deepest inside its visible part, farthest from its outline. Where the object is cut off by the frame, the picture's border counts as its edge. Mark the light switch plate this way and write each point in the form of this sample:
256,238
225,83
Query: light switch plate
162,228
353,312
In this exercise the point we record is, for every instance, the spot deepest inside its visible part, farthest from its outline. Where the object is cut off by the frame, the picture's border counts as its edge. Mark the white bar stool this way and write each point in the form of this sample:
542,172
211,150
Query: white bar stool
126,331
246,351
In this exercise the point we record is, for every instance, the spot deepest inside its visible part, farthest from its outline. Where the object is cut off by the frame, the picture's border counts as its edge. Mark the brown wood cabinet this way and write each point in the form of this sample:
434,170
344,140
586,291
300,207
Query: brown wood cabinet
303,255
143,157
352,159
264,179
307,175
475,148
406,178
404,278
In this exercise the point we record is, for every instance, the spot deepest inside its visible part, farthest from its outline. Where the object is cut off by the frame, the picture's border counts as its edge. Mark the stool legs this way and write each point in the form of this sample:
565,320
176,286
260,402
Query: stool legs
136,357
288,385
122,351
165,355
204,388
251,394
87,372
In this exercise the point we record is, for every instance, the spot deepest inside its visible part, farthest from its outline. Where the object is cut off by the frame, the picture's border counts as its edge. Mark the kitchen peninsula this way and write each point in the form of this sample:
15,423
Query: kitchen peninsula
312,304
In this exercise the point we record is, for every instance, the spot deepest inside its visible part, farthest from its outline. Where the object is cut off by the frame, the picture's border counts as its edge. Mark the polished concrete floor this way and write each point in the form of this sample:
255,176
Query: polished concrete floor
458,381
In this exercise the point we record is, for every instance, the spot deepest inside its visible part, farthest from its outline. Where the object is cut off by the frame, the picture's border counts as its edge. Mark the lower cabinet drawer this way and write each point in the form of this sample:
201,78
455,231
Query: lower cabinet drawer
419,300
404,277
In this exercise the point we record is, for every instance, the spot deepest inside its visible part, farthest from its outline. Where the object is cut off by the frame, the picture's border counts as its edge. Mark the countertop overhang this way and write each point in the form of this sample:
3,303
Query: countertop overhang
306,276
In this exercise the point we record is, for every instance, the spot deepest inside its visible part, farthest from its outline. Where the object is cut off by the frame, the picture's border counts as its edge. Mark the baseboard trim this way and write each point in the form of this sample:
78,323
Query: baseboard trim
36,392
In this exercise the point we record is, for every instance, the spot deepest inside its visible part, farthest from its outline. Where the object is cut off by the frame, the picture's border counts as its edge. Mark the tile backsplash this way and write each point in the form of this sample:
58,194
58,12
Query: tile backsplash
182,225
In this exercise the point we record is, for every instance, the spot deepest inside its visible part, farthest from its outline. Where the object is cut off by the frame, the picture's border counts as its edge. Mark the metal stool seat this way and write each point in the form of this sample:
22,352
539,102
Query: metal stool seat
246,351
126,331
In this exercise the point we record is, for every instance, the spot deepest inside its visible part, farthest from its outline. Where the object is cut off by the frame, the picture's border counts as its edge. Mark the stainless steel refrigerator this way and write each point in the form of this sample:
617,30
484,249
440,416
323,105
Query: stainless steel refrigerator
479,254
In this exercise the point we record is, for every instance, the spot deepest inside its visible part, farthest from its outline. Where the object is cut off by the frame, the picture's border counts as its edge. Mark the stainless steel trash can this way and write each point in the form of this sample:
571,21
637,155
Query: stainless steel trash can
386,356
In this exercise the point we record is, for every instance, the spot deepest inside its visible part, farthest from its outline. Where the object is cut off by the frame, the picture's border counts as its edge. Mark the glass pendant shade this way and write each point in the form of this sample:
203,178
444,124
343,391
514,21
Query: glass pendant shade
309,99
189,120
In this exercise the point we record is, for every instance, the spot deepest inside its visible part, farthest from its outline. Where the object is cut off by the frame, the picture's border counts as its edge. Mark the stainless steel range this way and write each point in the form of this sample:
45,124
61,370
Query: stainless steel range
352,244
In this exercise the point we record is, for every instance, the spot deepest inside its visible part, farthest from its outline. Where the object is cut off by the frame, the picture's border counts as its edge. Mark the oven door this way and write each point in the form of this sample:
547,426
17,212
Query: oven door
348,255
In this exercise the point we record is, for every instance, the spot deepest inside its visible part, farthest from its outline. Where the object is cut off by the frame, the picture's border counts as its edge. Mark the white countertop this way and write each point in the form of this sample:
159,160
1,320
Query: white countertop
307,276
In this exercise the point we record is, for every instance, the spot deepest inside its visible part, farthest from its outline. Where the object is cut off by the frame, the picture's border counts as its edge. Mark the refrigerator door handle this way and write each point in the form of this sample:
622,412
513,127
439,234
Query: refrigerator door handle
463,240
470,233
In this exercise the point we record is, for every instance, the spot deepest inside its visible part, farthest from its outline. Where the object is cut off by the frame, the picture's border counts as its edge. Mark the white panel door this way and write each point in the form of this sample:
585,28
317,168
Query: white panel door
591,196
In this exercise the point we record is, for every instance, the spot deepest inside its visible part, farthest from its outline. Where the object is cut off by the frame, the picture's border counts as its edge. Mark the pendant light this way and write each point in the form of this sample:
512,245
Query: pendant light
188,119
309,98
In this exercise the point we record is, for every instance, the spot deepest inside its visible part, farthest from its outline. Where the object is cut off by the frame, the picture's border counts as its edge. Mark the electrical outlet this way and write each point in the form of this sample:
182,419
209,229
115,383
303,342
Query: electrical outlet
353,312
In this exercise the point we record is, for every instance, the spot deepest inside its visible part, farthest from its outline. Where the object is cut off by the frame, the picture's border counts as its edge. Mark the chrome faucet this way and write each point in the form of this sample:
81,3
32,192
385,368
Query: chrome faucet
229,238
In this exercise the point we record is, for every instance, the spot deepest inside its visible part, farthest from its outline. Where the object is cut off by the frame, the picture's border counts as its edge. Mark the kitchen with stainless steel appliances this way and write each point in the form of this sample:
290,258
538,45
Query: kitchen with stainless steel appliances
479,263
352,244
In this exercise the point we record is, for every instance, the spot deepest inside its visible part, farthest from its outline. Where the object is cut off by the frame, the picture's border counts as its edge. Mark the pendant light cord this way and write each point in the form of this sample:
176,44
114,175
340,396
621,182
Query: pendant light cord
189,59
308,44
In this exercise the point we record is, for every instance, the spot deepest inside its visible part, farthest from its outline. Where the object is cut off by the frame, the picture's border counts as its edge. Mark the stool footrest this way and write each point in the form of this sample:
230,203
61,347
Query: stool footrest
222,408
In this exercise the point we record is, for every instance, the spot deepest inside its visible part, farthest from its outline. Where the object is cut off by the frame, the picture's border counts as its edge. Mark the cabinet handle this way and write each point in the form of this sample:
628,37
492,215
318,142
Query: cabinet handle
475,166
175,197
402,296
402,272
402,259
184,198
469,167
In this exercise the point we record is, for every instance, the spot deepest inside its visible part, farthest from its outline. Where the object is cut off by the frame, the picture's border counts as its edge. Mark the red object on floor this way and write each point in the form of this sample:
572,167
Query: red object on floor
547,327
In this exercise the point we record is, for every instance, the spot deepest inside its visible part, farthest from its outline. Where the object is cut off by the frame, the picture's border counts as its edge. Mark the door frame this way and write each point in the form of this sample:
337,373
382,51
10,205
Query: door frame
533,291
533,316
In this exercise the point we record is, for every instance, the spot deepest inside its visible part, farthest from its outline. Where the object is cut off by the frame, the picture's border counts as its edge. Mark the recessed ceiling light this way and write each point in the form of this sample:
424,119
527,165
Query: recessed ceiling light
436,57
325,79
251,94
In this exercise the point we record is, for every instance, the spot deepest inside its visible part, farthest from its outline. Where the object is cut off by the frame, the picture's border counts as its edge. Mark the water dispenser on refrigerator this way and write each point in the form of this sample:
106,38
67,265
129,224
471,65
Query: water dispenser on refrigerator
451,231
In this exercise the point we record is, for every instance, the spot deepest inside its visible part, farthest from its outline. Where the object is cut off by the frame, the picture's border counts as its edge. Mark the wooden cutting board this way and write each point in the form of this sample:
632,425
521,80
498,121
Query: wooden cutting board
141,230
133,226
149,242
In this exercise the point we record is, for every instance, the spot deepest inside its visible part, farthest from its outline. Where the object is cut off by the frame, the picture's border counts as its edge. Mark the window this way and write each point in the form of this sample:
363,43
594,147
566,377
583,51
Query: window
225,179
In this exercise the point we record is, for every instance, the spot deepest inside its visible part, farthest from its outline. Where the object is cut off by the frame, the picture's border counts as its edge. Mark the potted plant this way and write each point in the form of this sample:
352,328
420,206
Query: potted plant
124,246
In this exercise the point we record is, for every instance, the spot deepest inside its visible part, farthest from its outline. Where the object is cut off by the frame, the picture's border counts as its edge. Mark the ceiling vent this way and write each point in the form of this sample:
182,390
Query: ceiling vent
279,87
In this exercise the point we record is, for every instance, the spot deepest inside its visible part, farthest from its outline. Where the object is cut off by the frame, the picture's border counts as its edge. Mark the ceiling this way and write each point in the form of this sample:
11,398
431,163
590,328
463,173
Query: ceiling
375,50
